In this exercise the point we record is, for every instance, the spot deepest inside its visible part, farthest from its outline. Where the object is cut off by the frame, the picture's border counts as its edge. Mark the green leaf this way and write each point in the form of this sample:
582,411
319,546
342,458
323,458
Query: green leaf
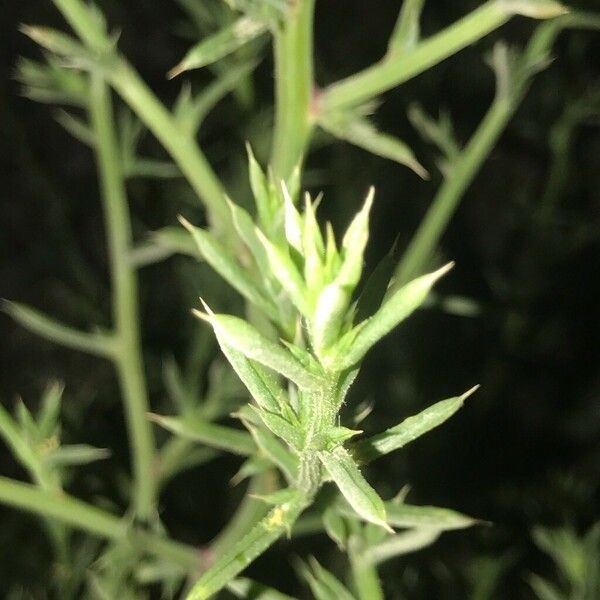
50,409
95,343
78,128
410,429
537,9
275,452
224,263
260,190
545,590
282,428
401,544
286,272
262,386
191,112
398,306
423,517
354,487
244,338
336,527
358,131
75,454
323,584
278,521
328,317
376,286
219,45
55,41
247,589
407,29
216,436
22,450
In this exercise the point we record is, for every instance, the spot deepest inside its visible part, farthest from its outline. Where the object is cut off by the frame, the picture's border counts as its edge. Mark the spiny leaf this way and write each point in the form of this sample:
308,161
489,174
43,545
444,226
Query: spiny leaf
362,133
223,262
400,304
94,343
354,487
401,544
282,428
537,9
275,452
410,429
244,338
219,45
216,436
323,584
75,454
443,519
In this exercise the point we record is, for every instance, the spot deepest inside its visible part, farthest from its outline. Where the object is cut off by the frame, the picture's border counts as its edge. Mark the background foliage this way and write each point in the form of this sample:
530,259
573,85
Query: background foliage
524,453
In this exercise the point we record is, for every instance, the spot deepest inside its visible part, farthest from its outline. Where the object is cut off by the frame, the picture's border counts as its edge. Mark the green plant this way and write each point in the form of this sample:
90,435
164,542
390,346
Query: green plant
310,319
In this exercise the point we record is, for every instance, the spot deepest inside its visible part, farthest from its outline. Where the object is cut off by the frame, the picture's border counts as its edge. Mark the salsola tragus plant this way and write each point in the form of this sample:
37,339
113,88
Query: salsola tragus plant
311,318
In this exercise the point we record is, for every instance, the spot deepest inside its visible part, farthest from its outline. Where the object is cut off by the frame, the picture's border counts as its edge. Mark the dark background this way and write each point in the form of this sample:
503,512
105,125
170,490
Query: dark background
524,450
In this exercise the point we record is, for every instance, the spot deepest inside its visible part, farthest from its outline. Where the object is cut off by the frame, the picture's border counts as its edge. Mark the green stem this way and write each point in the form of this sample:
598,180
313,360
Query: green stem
392,71
293,50
364,574
128,355
181,146
78,514
425,241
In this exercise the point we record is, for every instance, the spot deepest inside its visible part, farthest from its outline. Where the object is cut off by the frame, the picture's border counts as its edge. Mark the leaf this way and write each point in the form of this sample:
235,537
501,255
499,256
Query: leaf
423,517
219,45
262,386
278,454
360,132
401,544
410,429
191,112
278,521
78,128
323,584
49,412
282,428
18,445
244,338
360,495
224,263
537,9
545,590
247,589
216,436
260,189
398,306
336,527
55,41
75,454
407,29
286,272
95,343
376,285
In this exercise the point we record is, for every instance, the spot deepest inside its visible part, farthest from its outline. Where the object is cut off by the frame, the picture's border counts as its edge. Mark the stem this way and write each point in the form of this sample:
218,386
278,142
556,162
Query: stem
128,355
388,73
128,84
364,575
425,241
73,512
293,52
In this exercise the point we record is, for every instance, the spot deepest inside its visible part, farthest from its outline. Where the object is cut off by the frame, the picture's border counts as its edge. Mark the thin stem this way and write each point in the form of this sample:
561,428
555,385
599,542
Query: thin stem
364,575
78,514
392,71
293,50
425,241
181,146
128,356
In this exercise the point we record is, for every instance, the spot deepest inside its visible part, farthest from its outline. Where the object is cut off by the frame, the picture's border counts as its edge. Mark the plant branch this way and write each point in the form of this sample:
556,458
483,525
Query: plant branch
128,356
79,514
128,84
425,241
396,69
293,51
